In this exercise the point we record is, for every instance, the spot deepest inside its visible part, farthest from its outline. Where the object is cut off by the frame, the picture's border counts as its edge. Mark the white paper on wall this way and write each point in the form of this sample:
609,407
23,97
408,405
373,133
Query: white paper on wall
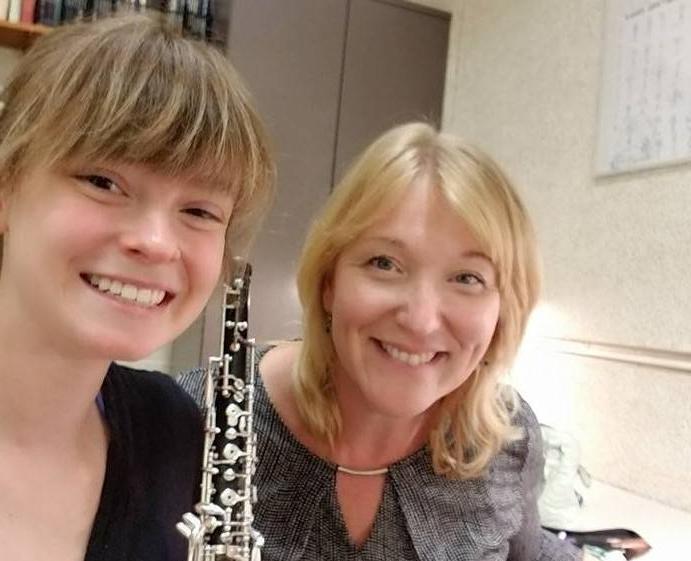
645,105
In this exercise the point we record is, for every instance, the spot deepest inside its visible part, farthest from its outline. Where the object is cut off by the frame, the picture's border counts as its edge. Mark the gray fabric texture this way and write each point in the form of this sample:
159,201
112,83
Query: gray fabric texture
422,516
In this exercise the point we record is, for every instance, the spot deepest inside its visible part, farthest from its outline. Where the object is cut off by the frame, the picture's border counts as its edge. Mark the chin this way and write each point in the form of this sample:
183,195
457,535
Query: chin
123,342
126,351
404,408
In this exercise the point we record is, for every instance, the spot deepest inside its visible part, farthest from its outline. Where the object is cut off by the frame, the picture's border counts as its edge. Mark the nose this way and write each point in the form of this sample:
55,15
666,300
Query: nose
151,236
421,310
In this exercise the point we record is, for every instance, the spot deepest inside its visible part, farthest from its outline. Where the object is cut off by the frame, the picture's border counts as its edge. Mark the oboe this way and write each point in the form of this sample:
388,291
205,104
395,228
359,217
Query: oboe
222,527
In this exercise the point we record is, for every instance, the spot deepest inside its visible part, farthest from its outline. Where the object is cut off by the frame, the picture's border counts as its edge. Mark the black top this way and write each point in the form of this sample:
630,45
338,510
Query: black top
152,470
422,516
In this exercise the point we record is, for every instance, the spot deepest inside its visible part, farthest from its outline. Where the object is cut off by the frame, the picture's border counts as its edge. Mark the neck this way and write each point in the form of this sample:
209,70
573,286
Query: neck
44,389
372,441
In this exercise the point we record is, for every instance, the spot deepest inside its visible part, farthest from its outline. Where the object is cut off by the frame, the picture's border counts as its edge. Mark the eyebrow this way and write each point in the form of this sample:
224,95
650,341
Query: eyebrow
395,242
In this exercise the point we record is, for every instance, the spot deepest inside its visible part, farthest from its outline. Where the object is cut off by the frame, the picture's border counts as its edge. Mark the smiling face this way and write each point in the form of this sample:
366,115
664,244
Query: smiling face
109,261
414,307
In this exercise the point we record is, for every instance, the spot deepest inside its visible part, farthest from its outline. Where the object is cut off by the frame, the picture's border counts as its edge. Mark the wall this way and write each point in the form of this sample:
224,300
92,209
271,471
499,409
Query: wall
523,83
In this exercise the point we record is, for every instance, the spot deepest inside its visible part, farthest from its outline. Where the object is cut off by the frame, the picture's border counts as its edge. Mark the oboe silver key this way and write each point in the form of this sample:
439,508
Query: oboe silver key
221,527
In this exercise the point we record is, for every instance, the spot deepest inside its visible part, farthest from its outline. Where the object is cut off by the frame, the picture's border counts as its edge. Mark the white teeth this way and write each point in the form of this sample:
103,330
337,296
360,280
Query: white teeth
128,292
408,358
158,296
146,297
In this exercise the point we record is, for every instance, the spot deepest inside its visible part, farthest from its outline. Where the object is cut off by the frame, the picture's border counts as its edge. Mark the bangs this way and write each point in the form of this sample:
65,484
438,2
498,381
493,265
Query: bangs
133,90
472,189
368,193
153,99
480,207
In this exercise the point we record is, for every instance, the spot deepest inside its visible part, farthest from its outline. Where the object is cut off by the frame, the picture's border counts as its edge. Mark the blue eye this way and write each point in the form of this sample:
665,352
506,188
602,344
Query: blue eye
100,182
470,279
381,262
203,214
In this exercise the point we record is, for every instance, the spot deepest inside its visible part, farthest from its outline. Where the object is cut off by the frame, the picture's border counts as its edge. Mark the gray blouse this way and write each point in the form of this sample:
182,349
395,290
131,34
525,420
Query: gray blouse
422,516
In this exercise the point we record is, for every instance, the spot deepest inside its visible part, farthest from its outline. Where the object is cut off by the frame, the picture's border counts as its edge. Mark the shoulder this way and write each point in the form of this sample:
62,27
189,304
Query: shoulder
148,397
156,444
516,472
276,365
276,373
522,454
155,424
192,382
526,422
517,468
529,540
276,362
151,385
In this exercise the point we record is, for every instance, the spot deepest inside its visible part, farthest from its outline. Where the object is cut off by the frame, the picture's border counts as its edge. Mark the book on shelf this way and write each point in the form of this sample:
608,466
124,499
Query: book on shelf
174,11
194,16
28,11
49,12
73,9
4,9
15,11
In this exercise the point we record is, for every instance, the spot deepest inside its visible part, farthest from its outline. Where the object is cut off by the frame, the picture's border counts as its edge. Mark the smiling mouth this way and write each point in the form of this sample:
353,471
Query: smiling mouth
144,297
411,359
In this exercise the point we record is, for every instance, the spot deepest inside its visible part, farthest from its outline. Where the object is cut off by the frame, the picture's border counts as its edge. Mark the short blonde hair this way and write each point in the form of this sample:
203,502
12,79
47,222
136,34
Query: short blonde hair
132,89
475,420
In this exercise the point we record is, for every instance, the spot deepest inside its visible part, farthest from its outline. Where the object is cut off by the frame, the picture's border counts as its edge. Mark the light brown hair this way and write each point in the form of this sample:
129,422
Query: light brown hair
131,89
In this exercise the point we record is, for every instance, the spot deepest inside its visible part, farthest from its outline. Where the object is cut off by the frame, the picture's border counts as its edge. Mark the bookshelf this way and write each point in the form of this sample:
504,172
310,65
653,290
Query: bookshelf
20,35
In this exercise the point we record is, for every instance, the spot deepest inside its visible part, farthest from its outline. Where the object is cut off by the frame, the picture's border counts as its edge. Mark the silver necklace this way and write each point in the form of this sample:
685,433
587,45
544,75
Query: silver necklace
349,471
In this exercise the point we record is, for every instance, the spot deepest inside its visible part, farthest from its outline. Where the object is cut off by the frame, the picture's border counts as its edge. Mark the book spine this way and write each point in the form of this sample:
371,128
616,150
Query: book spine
72,9
104,8
49,12
15,11
87,8
28,11
204,18
193,17
4,9
174,12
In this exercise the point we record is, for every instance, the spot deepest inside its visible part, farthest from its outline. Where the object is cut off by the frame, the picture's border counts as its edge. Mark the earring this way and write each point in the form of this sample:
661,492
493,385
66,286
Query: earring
327,323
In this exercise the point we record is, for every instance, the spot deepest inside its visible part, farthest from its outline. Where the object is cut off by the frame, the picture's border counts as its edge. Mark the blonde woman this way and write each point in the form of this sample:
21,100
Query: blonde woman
133,167
386,433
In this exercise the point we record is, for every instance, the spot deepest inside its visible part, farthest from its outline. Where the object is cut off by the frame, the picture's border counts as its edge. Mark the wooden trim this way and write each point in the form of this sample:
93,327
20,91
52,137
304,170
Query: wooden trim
644,356
20,35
